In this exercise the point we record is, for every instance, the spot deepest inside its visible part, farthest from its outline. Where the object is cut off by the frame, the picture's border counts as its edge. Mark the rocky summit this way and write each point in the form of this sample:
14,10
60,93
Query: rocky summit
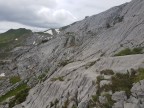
94,63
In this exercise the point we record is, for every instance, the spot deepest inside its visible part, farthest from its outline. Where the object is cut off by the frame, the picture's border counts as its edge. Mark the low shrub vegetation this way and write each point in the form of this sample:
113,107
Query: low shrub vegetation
42,76
58,78
109,103
89,64
66,103
107,72
95,97
14,92
119,82
51,104
64,63
129,51
19,98
14,79
140,75
99,79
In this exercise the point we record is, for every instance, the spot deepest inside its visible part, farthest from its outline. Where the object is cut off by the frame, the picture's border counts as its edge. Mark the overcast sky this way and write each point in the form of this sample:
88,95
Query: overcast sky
43,14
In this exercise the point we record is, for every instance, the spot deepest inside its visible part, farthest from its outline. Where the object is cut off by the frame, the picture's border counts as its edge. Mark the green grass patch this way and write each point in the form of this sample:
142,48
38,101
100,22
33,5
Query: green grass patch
140,75
89,64
13,92
8,42
109,102
14,79
129,51
120,82
40,77
64,63
138,50
11,35
66,103
95,97
58,78
99,79
19,98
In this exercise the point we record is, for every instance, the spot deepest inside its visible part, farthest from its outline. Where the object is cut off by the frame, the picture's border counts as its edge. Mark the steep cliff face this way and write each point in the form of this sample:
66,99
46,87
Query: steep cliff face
79,65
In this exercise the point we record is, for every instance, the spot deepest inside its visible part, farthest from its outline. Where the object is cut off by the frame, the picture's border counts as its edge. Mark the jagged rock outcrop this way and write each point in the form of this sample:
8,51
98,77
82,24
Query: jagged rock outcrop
77,55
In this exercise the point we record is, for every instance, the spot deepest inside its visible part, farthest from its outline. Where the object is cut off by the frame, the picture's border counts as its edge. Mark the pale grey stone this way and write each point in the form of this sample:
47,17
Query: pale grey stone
119,96
97,38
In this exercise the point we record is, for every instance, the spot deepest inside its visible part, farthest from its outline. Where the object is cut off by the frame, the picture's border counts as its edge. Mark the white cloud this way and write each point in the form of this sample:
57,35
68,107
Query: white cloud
56,16
82,8
63,16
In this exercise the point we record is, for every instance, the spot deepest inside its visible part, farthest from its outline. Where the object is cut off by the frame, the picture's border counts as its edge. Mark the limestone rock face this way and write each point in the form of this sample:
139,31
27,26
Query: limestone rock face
119,96
96,38
136,99
138,89
74,57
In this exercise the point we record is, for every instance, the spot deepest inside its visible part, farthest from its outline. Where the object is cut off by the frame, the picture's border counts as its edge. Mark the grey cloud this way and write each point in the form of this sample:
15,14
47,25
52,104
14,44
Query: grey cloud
35,14
25,3
51,13
84,8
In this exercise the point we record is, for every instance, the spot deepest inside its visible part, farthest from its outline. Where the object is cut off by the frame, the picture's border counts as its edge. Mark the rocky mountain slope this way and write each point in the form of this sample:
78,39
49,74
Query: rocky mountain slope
94,63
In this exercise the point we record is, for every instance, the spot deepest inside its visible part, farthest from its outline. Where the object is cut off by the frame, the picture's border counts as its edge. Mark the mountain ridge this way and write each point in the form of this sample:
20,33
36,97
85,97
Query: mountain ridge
82,66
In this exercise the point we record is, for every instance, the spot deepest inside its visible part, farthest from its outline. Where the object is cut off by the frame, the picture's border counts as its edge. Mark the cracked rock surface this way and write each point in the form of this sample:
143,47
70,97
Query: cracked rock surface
77,55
